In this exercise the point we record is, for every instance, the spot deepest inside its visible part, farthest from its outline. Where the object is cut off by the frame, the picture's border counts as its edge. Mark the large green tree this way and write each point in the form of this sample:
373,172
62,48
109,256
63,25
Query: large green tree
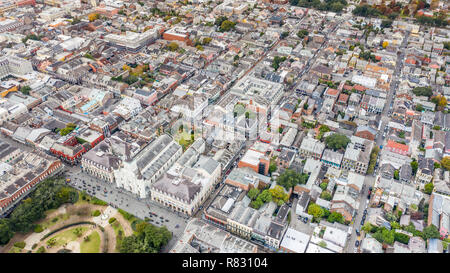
147,239
430,232
423,91
5,232
336,217
315,210
429,188
337,141
445,162
253,193
290,178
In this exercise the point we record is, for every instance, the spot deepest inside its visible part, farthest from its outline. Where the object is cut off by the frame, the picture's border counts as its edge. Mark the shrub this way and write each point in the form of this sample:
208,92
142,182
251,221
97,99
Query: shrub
41,250
87,238
135,223
99,202
125,214
78,232
54,220
20,244
34,246
111,220
51,242
38,229
96,213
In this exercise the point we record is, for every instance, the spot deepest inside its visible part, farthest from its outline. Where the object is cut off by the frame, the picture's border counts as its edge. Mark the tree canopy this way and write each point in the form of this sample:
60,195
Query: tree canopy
290,178
429,188
25,89
173,46
253,193
226,25
50,194
336,217
147,239
302,33
431,232
445,162
423,91
315,210
337,141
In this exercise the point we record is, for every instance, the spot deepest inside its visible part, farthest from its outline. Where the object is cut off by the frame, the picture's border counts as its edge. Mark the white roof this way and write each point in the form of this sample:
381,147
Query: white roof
295,241
336,236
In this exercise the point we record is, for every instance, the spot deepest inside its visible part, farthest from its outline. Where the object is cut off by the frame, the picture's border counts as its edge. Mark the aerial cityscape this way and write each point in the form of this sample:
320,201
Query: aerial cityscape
224,126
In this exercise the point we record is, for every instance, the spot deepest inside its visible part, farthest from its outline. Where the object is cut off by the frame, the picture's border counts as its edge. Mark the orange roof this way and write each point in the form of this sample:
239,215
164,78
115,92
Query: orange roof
396,145
343,97
359,87
376,68
410,61
435,66
332,92
348,87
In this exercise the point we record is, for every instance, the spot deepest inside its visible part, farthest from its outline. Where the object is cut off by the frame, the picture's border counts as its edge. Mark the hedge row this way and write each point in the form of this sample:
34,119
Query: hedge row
67,226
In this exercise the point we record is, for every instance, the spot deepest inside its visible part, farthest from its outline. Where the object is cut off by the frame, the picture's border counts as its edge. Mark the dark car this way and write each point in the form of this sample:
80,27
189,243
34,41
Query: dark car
362,222
305,220
357,232
356,243
365,211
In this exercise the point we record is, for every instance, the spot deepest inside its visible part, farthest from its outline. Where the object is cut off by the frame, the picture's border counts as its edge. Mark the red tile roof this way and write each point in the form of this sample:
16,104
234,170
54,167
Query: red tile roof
410,61
398,146
343,98
332,92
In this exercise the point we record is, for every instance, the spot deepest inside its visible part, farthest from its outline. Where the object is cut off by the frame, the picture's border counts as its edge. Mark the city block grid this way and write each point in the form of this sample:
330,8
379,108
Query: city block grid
226,126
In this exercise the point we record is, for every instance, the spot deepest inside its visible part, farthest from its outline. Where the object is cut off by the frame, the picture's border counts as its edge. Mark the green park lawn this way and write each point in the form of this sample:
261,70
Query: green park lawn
53,221
118,228
15,249
68,236
93,245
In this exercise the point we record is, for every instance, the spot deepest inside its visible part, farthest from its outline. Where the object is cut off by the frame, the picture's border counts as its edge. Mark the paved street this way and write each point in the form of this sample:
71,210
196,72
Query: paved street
393,87
363,204
124,200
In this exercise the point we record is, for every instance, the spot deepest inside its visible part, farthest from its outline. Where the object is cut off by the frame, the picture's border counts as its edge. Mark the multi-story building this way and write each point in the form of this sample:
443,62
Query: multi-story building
177,34
311,147
200,237
19,176
357,155
332,158
107,156
12,65
268,92
6,5
424,173
133,41
137,174
247,178
188,183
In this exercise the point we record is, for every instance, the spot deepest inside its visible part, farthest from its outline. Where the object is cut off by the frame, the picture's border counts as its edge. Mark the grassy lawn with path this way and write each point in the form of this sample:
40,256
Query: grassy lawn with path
118,228
93,245
53,221
68,236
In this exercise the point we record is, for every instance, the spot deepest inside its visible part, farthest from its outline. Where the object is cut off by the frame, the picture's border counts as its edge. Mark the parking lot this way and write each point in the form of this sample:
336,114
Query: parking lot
298,223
